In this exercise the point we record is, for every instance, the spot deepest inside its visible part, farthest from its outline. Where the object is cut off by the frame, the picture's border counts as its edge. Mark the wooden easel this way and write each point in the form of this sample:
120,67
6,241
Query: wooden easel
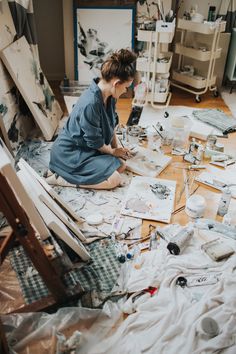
24,233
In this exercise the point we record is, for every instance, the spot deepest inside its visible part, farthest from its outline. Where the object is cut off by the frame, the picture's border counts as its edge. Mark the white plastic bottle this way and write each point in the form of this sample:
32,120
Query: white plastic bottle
224,201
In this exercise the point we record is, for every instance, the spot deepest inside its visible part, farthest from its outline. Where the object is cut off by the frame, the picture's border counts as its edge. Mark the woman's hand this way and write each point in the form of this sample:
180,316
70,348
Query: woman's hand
123,153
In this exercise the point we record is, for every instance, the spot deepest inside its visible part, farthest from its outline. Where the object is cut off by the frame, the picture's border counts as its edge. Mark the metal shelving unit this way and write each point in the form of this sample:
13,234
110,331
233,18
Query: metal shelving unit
197,84
153,66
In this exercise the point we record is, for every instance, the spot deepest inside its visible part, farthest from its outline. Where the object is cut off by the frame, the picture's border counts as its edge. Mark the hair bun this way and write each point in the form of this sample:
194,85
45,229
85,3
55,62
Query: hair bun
126,57
120,64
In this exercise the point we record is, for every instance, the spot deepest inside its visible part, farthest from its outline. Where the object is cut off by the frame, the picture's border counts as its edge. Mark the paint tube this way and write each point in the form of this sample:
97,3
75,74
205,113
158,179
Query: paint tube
120,252
134,252
227,219
153,242
181,240
224,201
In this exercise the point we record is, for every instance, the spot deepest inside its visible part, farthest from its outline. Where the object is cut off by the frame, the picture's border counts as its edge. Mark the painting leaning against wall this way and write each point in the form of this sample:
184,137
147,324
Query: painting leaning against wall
96,38
16,123
33,86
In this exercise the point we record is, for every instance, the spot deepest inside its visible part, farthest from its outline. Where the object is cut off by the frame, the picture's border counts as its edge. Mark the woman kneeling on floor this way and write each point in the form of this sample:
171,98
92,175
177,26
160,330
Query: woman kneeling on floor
86,152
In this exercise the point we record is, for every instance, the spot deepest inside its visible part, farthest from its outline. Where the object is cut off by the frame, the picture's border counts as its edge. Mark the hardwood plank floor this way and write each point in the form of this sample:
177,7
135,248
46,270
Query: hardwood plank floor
179,98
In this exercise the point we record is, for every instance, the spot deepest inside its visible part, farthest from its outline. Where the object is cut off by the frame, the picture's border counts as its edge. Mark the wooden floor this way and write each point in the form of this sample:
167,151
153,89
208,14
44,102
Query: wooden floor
179,98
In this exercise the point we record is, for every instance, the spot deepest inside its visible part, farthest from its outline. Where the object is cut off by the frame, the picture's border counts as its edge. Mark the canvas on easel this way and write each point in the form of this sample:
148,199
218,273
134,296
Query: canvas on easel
33,86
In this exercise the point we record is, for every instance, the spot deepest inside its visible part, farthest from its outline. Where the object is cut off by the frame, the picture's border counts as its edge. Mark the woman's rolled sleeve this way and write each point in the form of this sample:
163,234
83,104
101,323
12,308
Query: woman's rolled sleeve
90,124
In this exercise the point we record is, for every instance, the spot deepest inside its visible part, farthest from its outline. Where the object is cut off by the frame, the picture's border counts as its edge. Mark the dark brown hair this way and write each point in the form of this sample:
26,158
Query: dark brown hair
120,64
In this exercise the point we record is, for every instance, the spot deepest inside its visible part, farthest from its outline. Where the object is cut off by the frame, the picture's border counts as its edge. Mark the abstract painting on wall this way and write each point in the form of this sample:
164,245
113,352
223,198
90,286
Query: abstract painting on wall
150,198
98,33
33,86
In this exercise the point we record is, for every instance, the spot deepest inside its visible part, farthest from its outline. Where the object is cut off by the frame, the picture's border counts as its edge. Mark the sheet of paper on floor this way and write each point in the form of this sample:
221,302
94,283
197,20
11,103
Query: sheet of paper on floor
150,116
150,198
147,162
218,178
86,202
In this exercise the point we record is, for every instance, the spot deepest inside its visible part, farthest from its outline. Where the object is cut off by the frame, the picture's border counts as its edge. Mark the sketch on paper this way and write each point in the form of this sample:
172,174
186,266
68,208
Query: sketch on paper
33,86
147,162
150,198
95,38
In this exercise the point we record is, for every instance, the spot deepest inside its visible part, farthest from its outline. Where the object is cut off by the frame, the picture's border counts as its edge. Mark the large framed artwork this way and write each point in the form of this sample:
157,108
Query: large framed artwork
98,33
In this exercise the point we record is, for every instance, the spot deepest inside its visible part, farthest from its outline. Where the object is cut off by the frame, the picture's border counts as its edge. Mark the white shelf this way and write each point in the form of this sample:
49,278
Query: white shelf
162,68
193,81
159,97
151,66
204,28
164,33
196,53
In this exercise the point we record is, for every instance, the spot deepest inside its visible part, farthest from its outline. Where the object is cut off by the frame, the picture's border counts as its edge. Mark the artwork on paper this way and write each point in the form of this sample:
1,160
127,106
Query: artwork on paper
33,86
150,198
147,162
97,38
7,28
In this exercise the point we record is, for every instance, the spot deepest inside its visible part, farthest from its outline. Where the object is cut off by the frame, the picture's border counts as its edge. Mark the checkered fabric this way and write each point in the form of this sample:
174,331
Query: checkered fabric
97,278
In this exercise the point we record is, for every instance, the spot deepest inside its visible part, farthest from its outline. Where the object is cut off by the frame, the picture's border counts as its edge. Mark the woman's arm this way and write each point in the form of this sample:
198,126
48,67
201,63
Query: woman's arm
117,151
115,141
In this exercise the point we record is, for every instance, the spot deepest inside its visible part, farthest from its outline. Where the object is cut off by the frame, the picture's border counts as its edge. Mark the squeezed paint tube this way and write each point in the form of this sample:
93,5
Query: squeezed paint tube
224,201
180,240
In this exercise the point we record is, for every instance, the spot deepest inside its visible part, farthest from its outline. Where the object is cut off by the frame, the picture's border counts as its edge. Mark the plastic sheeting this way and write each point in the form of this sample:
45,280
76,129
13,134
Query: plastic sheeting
10,293
42,333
